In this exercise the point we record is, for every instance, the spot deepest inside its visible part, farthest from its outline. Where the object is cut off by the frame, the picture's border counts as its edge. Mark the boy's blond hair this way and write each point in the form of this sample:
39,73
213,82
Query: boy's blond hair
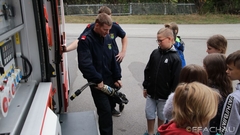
234,58
166,32
194,105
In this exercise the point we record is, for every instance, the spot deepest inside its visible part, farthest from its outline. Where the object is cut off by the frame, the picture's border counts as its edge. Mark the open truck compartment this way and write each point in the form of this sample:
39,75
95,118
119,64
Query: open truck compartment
34,83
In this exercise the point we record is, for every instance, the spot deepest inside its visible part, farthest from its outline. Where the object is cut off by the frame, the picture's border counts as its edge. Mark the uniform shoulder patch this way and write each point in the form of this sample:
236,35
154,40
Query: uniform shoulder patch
83,37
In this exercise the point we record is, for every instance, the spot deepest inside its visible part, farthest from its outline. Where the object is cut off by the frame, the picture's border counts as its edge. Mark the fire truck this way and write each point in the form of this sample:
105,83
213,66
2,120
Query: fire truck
34,82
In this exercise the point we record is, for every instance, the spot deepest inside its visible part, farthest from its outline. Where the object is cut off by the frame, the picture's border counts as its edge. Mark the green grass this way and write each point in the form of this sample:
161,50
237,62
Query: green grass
161,19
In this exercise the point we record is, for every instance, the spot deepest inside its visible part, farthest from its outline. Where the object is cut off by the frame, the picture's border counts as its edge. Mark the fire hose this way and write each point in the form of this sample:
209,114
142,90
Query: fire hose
114,92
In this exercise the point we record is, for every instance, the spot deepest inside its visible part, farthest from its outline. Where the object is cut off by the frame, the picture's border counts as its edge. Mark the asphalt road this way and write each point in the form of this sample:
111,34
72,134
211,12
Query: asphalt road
141,42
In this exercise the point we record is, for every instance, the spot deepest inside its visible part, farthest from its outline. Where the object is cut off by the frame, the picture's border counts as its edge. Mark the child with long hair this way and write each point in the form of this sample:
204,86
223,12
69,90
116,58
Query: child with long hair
216,67
217,44
194,105
189,73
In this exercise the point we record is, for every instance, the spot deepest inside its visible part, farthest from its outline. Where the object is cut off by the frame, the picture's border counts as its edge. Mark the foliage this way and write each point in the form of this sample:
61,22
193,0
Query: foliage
203,6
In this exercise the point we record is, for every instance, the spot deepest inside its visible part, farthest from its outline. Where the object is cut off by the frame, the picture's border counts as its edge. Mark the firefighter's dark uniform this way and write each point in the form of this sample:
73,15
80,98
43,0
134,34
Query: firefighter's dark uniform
96,61
115,31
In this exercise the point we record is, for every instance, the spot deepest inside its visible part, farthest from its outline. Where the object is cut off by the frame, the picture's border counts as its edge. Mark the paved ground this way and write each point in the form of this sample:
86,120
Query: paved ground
141,42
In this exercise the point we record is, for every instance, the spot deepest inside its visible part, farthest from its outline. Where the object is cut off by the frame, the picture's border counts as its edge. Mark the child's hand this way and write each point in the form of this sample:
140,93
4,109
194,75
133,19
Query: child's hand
120,56
145,93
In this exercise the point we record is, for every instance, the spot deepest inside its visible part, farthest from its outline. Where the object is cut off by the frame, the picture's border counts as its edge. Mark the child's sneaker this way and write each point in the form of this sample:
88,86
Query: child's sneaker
146,133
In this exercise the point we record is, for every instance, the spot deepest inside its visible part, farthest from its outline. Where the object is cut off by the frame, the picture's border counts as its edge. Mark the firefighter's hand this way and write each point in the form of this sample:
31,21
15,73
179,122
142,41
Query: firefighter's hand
118,84
100,85
145,93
